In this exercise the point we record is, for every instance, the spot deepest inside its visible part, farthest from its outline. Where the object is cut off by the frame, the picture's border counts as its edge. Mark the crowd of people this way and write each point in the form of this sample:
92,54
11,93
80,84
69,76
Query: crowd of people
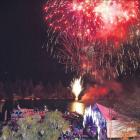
10,110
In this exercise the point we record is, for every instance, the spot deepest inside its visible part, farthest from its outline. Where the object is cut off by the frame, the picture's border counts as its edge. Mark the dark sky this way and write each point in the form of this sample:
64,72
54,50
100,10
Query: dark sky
22,34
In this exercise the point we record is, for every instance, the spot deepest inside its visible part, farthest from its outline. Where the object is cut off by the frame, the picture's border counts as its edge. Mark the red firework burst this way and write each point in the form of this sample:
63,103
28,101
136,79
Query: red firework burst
92,20
92,31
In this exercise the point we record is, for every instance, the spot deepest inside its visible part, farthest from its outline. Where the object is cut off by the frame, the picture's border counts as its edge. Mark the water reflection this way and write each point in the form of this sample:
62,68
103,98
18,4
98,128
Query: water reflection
78,107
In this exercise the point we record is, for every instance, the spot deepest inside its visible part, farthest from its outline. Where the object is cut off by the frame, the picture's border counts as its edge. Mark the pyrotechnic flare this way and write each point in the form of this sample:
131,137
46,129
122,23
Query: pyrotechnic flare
95,34
76,86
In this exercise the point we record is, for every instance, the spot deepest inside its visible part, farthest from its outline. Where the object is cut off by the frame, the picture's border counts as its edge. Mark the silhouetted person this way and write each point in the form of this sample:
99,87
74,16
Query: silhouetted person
7,110
17,105
1,106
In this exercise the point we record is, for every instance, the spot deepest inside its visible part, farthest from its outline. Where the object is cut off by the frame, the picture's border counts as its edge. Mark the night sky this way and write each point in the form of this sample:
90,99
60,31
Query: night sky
22,34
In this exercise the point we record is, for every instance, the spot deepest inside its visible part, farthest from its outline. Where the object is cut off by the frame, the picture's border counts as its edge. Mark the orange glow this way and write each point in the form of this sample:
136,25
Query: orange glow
94,93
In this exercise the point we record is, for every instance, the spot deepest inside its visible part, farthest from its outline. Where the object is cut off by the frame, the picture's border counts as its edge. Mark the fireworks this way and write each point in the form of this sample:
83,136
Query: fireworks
95,35
76,86
93,20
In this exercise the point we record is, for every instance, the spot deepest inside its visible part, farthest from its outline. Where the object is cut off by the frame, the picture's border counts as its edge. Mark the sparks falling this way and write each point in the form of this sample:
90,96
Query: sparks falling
94,34
76,87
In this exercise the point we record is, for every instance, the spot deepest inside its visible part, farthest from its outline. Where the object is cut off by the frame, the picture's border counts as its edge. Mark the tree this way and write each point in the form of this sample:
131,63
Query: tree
39,90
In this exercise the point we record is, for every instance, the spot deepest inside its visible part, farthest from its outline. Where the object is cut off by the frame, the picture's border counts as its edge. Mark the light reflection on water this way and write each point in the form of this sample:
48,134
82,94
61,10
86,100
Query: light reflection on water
78,107
61,105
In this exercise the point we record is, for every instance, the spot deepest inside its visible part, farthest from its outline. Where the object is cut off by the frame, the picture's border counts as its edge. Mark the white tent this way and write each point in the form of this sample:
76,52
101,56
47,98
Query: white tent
117,126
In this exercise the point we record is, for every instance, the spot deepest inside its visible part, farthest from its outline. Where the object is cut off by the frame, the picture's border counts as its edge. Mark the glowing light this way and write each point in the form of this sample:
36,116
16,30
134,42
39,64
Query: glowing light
93,116
77,107
111,12
76,86
93,93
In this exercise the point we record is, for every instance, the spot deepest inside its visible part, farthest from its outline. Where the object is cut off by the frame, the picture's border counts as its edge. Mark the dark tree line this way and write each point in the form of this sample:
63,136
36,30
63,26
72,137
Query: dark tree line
26,88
